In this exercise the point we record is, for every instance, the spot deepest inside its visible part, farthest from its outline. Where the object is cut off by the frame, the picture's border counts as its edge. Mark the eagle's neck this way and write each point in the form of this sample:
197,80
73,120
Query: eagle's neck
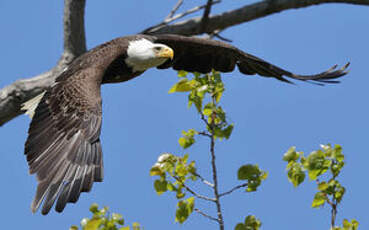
141,56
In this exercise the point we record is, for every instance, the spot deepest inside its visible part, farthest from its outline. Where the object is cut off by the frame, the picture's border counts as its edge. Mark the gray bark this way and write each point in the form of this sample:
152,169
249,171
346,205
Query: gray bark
241,15
12,96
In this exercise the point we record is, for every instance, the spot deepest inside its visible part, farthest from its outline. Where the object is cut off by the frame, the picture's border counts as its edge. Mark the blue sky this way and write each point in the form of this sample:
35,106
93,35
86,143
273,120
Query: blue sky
141,120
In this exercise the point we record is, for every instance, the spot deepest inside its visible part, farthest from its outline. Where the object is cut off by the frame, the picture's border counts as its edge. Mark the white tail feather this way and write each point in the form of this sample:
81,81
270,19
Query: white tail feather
31,105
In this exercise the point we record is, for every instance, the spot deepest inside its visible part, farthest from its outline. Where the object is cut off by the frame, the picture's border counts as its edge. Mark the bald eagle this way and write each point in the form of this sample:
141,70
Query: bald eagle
63,145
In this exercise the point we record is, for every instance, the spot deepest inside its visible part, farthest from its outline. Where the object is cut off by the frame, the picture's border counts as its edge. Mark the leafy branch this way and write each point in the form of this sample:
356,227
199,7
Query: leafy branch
102,220
318,164
175,172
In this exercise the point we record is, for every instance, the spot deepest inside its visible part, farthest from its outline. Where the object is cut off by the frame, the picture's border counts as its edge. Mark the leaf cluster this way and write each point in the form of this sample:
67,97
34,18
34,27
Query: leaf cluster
250,223
253,175
102,220
323,166
198,88
204,92
348,225
316,164
173,172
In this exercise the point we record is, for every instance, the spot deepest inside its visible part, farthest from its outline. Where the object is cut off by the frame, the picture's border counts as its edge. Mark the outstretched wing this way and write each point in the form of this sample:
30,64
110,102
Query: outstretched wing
202,55
63,146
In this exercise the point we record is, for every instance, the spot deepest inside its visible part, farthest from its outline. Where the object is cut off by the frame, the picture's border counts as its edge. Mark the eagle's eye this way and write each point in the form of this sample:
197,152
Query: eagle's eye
157,48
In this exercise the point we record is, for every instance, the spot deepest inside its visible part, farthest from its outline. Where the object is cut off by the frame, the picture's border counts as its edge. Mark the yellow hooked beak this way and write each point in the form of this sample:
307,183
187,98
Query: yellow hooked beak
166,53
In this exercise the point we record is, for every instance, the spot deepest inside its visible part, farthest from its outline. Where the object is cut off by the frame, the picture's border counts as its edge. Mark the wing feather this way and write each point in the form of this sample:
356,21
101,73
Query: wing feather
63,146
189,51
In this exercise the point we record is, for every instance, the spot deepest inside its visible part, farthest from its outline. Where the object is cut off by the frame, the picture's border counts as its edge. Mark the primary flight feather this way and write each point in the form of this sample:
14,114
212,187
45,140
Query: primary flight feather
63,146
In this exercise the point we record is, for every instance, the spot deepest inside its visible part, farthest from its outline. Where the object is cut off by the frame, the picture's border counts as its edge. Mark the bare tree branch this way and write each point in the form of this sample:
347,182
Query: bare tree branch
74,30
243,14
233,189
206,215
166,21
205,16
174,10
12,96
192,191
203,180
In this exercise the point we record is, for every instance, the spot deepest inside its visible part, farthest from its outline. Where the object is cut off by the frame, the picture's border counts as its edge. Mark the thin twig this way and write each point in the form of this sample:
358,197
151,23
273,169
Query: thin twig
193,192
205,120
176,17
203,180
216,33
333,204
174,10
215,176
205,215
190,11
204,134
233,189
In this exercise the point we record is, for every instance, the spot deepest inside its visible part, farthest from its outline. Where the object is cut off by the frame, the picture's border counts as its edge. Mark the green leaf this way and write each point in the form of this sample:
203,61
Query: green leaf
317,164
182,73
188,138
252,223
93,224
295,174
253,175
340,191
228,131
190,204
196,98
247,172
185,142
184,209
117,218
73,227
319,200
322,186
353,225
181,170
104,210
156,171
184,85
218,91
171,187
160,186
136,226
291,155
125,228
94,208
180,194
337,153
240,226
208,109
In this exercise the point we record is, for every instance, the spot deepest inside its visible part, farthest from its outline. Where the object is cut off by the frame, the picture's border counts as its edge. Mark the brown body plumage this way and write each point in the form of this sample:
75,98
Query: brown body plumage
63,147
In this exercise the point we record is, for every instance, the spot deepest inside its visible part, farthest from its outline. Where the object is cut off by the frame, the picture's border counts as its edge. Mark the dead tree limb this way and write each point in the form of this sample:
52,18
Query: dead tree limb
243,14
12,96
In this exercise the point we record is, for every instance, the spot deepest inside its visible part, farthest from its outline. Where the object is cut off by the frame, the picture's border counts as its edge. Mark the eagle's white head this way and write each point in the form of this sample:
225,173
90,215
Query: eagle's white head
143,54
